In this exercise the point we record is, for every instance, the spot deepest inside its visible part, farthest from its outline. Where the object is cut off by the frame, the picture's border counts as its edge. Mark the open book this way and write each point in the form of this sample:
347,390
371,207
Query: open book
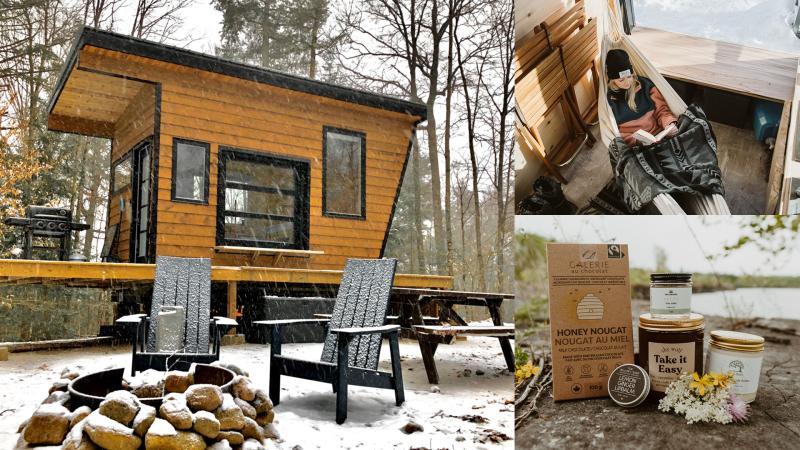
648,139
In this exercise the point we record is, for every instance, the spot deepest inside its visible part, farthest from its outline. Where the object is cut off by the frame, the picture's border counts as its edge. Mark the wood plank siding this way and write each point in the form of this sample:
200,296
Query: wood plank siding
231,112
136,124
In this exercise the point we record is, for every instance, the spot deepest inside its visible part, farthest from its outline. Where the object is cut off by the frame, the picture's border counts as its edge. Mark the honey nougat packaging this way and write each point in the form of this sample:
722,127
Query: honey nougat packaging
590,316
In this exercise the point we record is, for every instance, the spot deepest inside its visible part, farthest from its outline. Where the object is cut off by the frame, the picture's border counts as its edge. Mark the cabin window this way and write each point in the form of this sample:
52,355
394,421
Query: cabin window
262,200
343,173
121,175
190,171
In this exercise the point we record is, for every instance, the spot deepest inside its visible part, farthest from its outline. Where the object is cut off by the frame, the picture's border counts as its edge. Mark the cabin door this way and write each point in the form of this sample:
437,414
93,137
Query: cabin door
141,204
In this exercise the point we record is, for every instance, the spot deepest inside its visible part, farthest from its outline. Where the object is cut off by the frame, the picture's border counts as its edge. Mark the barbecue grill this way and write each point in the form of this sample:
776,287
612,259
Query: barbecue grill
46,224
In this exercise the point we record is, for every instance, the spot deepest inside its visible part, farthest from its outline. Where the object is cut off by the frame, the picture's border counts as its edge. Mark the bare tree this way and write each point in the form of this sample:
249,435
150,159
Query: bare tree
409,39
472,49
159,20
463,196
101,13
418,244
500,93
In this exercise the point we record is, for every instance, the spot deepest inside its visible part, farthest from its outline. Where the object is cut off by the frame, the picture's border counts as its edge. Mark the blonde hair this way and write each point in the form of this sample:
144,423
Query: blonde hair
630,94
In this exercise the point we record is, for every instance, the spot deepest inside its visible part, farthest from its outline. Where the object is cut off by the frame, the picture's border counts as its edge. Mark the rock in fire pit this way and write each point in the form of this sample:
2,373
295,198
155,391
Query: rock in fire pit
189,416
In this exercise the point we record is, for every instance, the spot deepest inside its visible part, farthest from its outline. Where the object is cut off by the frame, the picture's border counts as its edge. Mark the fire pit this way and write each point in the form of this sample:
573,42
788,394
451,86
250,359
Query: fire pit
210,405
90,390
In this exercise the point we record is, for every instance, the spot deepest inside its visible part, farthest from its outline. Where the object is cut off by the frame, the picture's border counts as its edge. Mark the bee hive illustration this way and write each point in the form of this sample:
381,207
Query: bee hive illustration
590,308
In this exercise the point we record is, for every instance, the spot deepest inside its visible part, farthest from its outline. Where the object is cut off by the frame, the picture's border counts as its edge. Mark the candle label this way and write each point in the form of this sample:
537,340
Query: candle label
670,300
746,370
666,362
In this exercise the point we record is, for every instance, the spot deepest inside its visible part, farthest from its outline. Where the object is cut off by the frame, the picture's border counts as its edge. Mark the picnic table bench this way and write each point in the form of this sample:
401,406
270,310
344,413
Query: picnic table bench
412,301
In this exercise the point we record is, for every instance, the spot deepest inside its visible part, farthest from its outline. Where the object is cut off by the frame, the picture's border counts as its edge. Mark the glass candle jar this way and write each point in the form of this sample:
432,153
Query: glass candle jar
671,295
740,353
670,347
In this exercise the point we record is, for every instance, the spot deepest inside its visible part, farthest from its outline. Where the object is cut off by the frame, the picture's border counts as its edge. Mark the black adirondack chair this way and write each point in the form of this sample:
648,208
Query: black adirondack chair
353,341
186,283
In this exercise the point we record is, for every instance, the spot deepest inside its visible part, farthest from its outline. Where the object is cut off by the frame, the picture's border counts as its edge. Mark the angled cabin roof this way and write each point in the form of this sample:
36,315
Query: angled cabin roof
126,88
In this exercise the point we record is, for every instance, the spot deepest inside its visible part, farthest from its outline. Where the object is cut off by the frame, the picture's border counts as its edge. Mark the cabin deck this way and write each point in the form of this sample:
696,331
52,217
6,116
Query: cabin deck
731,67
104,274
121,275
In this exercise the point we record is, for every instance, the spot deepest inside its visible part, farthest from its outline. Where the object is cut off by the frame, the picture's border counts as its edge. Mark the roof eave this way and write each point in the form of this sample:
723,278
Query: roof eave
200,61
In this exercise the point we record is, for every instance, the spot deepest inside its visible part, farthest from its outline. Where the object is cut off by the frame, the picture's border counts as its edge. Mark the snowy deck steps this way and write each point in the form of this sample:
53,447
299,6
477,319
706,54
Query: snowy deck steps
731,67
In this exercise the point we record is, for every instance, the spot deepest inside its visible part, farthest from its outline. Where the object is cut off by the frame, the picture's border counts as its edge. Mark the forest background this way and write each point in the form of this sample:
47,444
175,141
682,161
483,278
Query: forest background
454,215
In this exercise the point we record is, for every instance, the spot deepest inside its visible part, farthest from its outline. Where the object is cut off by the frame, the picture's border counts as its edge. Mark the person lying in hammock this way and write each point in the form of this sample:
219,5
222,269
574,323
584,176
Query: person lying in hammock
636,102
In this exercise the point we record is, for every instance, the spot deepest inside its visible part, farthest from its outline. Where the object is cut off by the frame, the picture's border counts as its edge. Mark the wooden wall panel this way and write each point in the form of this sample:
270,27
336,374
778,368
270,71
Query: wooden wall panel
230,112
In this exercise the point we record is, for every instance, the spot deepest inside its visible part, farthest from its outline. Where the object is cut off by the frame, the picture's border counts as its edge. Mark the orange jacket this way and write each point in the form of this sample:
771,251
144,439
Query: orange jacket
652,121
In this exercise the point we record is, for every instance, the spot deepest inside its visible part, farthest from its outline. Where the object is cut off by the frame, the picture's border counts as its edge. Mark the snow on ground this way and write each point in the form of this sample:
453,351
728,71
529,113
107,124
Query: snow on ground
754,23
305,416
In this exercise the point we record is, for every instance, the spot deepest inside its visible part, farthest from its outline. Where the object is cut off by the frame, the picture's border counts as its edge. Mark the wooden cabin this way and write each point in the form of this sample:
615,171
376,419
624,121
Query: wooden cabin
243,165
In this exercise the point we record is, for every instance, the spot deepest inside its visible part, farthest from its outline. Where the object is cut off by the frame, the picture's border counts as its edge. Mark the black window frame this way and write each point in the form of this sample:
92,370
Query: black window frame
363,136
126,157
302,171
173,195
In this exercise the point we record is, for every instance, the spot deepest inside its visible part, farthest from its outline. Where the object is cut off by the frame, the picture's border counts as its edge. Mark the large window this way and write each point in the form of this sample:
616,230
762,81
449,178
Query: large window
343,173
262,201
190,171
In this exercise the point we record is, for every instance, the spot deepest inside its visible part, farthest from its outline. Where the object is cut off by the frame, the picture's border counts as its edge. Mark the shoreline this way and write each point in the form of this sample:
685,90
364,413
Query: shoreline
643,290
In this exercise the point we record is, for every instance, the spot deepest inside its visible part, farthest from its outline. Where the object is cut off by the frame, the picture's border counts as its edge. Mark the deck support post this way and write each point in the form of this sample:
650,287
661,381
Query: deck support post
232,304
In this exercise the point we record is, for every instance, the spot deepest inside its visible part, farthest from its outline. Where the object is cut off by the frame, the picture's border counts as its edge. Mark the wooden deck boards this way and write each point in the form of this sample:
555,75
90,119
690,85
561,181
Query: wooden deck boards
731,67
16,271
743,160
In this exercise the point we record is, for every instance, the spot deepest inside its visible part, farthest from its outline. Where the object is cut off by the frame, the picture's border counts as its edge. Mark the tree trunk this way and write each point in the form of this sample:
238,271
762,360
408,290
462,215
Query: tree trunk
95,200
471,114
501,198
448,219
505,28
476,203
436,197
266,33
312,51
462,216
433,143
418,236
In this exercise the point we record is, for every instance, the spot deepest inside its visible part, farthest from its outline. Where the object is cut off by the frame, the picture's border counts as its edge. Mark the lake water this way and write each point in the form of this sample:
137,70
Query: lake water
750,302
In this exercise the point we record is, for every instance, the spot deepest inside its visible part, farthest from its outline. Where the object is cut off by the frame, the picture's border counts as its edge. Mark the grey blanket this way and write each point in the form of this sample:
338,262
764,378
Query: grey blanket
685,163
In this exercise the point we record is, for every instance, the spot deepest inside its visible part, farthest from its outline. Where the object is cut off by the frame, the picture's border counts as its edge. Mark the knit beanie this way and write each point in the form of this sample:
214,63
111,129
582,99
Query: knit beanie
618,64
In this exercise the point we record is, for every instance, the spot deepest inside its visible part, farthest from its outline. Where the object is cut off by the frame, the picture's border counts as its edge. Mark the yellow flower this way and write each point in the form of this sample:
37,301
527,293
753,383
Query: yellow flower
700,384
525,371
721,380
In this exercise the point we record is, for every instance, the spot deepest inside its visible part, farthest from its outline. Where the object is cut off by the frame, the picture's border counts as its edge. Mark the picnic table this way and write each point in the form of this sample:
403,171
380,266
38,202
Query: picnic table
443,329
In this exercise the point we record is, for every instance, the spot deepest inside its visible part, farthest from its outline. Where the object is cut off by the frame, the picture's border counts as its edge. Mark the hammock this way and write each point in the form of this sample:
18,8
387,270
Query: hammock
613,37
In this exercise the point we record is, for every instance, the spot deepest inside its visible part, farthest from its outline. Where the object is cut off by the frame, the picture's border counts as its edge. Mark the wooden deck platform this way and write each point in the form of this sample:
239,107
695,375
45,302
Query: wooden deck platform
731,67
95,274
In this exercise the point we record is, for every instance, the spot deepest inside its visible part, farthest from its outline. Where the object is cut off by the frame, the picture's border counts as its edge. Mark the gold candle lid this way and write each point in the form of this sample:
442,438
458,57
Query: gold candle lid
693,322
735,340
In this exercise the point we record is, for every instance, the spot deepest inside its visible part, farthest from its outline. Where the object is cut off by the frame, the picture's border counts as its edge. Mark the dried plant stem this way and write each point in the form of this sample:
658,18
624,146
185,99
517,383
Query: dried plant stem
530,384
540,387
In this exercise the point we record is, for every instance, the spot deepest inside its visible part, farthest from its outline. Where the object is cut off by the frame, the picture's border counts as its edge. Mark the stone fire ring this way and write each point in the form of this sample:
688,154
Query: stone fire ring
90,390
